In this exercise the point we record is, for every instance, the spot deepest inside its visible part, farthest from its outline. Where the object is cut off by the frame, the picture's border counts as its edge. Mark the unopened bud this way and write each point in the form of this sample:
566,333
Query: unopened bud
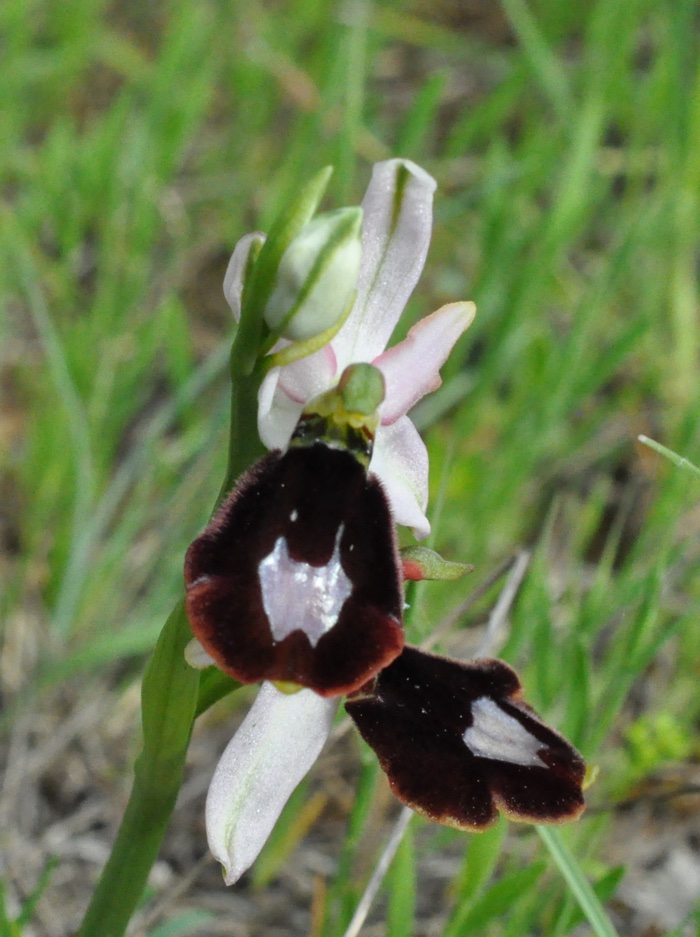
317,276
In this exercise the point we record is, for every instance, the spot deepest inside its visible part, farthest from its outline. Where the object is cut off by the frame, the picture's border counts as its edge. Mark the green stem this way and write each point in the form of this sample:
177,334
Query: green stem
169,700
244,445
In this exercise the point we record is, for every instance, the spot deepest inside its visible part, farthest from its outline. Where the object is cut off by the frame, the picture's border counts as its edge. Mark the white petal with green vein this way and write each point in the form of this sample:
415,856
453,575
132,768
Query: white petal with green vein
277,743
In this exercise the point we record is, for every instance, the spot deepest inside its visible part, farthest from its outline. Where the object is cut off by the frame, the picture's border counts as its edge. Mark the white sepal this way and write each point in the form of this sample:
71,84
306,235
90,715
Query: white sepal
400,462
278,742
236,271
396,227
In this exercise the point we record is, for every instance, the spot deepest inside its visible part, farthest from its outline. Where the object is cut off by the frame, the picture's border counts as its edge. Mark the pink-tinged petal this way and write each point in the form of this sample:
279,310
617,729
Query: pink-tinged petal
309,377
396,226
400,461
276,745
411,369
277,412
233,280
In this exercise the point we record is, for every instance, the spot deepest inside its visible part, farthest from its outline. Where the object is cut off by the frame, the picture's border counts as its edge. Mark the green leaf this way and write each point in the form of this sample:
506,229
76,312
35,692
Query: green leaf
214,685
578,883
495,902
401,910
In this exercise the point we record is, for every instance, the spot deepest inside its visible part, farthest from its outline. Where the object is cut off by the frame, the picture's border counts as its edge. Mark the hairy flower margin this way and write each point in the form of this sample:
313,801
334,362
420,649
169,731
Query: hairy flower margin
419,710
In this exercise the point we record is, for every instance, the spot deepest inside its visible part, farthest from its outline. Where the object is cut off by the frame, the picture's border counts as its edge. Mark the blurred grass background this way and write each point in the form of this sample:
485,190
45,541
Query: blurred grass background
138,141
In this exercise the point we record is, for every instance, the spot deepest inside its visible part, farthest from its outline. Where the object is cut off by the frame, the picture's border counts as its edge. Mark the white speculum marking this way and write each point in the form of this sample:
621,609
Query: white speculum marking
300,597
496,735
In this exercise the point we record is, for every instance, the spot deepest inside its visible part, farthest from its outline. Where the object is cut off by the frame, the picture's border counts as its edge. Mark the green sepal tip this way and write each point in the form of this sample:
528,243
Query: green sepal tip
423,563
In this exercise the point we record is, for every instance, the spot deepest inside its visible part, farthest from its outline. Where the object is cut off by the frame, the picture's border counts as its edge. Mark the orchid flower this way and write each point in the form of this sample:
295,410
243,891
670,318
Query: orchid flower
396,228
297,580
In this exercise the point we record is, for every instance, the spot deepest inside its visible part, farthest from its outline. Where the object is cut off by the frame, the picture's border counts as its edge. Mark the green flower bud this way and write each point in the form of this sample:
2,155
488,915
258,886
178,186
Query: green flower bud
317,276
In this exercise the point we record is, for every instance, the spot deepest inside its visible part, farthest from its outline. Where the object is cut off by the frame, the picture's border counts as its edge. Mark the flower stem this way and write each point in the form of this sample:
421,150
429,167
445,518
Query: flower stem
169,700
244,445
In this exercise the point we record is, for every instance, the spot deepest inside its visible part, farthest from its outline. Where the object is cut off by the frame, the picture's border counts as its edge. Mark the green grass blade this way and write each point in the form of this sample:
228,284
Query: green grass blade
678,460
578,884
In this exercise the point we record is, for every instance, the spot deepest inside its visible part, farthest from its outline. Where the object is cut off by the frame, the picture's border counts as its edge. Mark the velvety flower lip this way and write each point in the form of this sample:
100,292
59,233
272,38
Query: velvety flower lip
494,753
396,229
296,578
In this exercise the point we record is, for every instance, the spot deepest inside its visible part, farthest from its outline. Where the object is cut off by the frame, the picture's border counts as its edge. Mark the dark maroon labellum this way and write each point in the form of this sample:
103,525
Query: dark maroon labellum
458,744
296,578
